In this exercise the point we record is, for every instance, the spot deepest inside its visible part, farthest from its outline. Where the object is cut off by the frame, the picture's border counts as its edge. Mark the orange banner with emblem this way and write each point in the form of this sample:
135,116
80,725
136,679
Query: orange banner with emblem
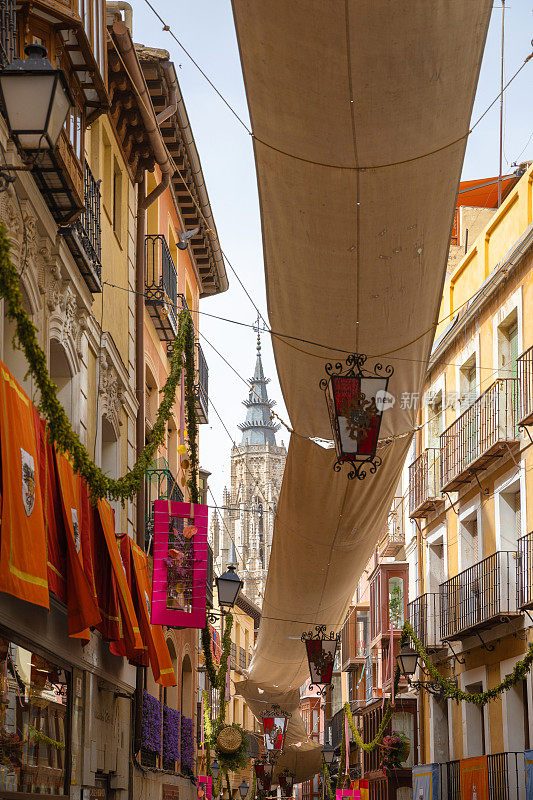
82,606
153,635
474,776
23,552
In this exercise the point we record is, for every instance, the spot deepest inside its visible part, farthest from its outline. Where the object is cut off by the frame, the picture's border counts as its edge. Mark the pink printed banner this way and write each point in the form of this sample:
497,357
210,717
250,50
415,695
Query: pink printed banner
205,787
180,565
347,794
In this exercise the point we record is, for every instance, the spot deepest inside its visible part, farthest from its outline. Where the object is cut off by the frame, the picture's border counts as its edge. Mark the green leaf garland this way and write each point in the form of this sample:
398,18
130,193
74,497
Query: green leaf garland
59,428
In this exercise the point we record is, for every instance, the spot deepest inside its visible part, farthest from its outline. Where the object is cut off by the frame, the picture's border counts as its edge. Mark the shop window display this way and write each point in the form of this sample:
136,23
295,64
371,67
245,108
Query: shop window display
33,722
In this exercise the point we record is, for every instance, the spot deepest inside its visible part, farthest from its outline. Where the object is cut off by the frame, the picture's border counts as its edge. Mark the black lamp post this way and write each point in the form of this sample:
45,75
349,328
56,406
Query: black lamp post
243,789
328,754
215,769
36,100
407,660
228,587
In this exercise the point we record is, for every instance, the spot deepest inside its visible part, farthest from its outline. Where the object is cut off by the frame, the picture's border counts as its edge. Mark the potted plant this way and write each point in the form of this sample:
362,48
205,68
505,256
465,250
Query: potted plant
395,749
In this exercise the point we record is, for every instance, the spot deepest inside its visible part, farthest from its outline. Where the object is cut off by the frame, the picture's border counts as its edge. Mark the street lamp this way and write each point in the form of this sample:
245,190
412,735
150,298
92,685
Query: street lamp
275,721
215,769
356,398
321,651
407,660
263,773
328,754
228,587
243,789
36,99
286,782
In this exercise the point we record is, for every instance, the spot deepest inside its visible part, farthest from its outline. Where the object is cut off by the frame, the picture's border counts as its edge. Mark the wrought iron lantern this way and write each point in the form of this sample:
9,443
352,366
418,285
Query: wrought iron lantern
407,660
286,782
228,587
215,769
356,399
275,722
36,99
328,754
243,789
321,651
263,774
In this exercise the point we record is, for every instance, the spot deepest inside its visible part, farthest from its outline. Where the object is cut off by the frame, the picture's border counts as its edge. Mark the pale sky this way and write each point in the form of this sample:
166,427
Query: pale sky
206,29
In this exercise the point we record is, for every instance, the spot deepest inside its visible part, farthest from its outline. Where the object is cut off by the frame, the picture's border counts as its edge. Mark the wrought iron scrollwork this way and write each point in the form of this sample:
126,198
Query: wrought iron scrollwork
321,634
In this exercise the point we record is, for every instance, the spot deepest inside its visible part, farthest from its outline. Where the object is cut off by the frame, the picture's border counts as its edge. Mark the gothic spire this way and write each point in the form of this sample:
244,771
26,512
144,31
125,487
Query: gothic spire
258,428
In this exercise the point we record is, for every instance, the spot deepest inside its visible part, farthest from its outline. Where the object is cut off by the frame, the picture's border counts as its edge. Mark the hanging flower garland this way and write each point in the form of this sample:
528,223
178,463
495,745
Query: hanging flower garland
59,428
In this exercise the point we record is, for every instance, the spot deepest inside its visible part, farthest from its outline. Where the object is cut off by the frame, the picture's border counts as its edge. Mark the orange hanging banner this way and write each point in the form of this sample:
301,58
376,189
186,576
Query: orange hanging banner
23,552
81,604
153,635
53,517
129,620
474,777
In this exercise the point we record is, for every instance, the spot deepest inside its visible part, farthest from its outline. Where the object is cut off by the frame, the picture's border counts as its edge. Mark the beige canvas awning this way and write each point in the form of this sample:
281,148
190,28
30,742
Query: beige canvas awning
360,111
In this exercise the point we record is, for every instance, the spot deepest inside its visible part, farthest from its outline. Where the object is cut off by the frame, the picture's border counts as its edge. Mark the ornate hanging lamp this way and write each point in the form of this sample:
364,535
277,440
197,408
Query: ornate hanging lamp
275,722
263,774
356,399
286,782
321,651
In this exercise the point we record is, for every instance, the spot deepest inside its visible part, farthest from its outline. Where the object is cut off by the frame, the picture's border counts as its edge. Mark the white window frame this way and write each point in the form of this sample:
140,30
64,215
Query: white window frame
478,675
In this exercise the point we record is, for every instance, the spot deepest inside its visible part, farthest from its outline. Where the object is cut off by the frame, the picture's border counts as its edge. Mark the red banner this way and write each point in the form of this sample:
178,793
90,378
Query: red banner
474,778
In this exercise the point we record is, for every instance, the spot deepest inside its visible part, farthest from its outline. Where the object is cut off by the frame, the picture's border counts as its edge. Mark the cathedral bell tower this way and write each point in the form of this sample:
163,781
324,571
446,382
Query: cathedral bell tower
245,535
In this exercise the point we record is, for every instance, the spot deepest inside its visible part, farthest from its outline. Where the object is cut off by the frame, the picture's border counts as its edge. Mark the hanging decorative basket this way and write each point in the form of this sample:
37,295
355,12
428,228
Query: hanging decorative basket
395,750
229,740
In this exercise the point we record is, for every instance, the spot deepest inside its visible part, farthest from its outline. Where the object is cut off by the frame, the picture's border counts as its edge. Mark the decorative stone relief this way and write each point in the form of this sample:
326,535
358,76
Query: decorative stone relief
111,394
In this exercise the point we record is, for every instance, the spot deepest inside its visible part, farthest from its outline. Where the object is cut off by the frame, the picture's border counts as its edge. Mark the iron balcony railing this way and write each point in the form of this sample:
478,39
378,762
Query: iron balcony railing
161,286
524,571
525,386
89,229
8,32
202,385
424,482
336,728
506,777
424,616
479,433
479,596
394,538
242,658
160,485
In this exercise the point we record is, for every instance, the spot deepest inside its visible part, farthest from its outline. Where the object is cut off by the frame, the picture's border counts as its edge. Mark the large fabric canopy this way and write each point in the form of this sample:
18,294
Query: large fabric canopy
360,112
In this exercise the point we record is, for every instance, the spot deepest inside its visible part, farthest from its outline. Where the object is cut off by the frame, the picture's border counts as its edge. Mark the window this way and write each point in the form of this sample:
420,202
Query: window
467,383
510,519
474,725
117,200
35,725
470,550
61,375
396,602
435,420
107,176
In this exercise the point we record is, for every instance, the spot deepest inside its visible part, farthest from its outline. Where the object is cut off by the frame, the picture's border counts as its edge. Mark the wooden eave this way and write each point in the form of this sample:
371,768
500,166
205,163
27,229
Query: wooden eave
183,182
127,119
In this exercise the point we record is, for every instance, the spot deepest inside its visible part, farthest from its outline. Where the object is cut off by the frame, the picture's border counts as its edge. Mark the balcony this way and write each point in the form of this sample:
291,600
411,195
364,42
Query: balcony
394,538
480,434
201,387
60,179
423,614
8,32
525,387
336,728
242,658
354,637
160,484
84,237
479,597
424,483
506,777
161,287
524,571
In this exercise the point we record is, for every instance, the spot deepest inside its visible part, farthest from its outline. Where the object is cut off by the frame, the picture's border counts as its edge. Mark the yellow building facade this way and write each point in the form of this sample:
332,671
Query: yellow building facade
471,494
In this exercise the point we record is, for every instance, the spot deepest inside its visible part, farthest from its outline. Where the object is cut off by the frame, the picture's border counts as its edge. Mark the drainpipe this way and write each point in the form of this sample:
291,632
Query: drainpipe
121,5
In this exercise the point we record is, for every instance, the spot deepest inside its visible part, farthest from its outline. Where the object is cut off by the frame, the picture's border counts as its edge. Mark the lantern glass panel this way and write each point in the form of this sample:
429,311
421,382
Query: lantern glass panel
27,100
274,729
228,587
358,416
407,660
321,658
